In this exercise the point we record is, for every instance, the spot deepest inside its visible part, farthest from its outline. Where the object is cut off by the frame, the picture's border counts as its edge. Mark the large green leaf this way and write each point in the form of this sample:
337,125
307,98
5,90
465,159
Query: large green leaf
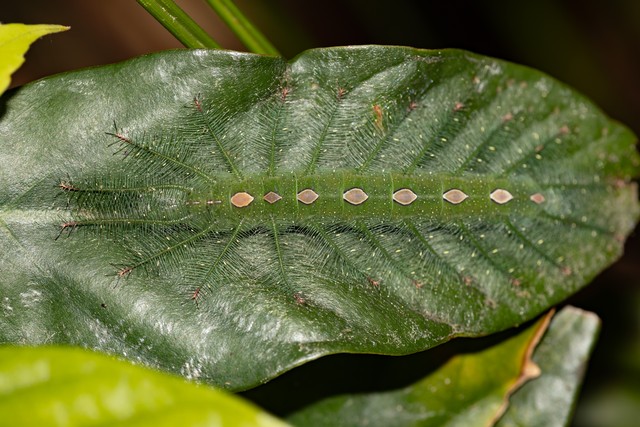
484,388
56,386
134,167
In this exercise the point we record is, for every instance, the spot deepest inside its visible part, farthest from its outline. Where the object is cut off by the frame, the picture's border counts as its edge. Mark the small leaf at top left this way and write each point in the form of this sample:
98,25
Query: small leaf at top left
15,40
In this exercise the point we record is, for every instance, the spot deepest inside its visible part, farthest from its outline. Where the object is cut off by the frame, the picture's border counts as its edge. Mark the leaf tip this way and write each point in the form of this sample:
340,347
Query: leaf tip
15,40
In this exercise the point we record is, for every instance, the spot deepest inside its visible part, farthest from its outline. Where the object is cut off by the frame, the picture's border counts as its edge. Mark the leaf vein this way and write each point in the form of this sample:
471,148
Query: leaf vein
221,149
146,149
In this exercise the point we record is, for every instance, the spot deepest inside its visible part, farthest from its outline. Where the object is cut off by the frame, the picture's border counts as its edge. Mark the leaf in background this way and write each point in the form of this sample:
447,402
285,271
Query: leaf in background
472,389
15,40
612,398
616,404
56,386
562,356
140,168
469,390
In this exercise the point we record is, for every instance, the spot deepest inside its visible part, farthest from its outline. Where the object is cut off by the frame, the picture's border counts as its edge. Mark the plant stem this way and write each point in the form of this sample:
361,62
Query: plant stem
174,19
248,34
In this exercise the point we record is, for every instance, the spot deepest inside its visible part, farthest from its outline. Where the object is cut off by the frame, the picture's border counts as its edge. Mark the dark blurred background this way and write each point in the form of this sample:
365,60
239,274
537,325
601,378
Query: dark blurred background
592,45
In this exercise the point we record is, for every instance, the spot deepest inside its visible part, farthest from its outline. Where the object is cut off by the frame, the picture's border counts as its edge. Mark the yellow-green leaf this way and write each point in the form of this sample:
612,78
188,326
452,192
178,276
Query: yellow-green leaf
57,386
15,40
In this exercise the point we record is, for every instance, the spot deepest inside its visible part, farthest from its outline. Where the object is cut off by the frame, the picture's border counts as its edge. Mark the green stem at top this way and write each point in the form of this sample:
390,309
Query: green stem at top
248,34
174,19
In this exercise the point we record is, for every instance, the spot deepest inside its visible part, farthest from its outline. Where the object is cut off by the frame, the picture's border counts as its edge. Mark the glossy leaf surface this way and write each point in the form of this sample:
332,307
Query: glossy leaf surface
57,386
137,221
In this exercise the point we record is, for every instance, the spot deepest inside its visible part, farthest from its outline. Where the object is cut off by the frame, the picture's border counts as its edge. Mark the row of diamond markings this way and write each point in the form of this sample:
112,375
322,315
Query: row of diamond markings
357,196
